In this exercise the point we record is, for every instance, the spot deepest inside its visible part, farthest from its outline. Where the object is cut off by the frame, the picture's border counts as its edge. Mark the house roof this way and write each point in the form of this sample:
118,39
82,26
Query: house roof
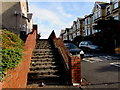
79,19
62,31
86,16
102,5
75,23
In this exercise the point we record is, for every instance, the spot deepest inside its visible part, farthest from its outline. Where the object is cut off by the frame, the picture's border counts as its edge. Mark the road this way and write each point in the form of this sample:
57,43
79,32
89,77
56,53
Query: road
101,71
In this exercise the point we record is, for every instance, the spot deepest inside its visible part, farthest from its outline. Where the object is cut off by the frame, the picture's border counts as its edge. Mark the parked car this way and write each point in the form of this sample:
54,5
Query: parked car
88,46
74,50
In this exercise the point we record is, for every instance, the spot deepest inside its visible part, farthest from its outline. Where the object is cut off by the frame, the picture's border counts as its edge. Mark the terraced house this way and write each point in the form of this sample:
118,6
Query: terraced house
80,26
101,11
61,34
16,17
113,9
74,29
70,34
64,35
88,25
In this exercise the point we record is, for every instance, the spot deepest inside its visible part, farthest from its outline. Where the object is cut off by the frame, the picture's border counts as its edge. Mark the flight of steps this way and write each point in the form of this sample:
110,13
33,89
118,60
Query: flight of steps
46,66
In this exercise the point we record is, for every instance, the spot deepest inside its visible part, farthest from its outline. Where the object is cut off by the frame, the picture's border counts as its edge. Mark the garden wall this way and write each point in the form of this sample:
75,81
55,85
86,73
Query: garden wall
17,77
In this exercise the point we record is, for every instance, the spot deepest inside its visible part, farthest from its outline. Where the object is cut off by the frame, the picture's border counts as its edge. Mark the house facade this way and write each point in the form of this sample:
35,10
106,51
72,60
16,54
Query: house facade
113,9
80,26
101,11
74,29
88,25
70,34
16,17
65,35
61,34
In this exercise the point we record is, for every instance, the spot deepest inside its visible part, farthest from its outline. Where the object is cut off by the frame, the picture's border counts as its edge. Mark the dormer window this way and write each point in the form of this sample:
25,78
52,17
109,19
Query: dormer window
115,4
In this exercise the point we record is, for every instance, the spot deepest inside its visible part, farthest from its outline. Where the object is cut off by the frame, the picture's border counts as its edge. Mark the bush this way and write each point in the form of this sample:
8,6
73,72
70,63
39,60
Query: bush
11,51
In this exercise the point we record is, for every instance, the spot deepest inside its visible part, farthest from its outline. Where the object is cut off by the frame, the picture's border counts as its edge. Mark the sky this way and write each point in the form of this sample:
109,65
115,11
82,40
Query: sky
55,15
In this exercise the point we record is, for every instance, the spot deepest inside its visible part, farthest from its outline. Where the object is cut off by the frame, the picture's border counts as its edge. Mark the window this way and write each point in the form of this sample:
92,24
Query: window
85,21
88,20
115,4
64,38
74,35
74,27
116,18
70,37
93,31
78,33
108,10
95,15
88,31
93,19
70,31
98,13
78,25
25,27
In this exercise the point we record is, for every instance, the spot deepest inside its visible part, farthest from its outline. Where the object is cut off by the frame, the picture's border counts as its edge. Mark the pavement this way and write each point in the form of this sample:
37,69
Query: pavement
101,71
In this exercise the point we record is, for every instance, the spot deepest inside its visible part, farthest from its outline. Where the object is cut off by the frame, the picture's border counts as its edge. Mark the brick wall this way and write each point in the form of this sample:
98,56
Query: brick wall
75,69
17,77
66,55
73,62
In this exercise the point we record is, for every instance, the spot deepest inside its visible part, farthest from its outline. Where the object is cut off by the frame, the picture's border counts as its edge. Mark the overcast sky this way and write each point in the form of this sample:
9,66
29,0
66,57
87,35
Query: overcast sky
58,14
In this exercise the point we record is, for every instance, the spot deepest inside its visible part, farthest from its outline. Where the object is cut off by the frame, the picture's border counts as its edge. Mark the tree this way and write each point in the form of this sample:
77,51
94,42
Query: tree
77,40
110,32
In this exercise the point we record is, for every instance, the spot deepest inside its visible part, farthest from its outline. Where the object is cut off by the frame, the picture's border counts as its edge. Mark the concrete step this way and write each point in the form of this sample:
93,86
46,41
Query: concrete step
42,76
43,56
42,67
43,60
44,72
43,63
46,47
47,81
43,50
45,53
